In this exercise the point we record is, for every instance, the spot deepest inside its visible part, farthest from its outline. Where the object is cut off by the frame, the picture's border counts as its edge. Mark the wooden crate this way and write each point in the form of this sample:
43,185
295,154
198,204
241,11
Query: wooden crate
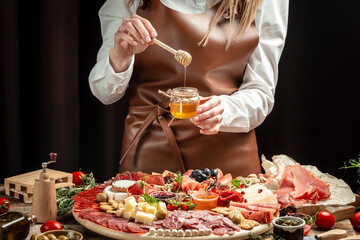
22,186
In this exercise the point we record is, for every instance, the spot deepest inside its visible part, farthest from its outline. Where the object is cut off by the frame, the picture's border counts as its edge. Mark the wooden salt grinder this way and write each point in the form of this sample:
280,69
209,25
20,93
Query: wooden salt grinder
44,198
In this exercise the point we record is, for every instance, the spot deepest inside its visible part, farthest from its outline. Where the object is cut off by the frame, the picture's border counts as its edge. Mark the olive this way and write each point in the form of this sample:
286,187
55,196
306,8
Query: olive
161,214
206,171
42,237
34,236
214,173
62,237
101,197
51,236
236,219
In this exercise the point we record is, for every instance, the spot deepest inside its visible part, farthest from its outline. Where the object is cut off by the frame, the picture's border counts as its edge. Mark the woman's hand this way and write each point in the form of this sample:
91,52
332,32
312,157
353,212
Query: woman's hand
132,37
209,115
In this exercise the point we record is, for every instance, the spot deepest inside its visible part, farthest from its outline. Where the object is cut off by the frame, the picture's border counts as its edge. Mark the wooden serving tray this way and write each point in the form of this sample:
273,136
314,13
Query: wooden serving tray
107,232
22,186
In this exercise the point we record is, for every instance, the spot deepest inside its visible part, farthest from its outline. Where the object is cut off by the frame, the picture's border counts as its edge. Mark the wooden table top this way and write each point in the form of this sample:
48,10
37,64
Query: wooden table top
69,221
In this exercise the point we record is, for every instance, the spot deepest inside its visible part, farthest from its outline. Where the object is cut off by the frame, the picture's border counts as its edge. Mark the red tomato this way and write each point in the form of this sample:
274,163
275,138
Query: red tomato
50,225
77,177
355,220
171,207
325,220
4,205
307,229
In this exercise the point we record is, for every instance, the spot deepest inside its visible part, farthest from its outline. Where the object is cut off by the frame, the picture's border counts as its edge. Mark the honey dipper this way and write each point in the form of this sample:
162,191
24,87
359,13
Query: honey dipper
181,56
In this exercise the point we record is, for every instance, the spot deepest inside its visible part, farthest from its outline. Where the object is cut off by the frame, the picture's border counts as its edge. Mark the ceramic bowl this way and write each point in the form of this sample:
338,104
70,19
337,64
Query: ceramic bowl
289,232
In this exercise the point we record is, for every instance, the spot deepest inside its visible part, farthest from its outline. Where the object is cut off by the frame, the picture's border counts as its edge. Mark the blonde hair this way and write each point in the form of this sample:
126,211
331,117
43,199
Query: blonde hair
241,11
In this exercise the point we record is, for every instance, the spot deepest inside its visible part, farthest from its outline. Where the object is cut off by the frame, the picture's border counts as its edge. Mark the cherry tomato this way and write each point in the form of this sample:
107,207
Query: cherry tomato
355,220
50,225
4,205
307,229
171,207
325,220
77,177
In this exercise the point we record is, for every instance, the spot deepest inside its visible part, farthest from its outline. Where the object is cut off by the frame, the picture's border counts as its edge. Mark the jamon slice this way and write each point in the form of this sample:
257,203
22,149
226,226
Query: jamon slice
189,184
261,215
308,186
300,186
226,179
136,189
154,180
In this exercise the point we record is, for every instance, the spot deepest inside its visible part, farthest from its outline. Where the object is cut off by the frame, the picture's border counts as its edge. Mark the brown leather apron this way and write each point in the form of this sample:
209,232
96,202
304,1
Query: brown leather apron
149,145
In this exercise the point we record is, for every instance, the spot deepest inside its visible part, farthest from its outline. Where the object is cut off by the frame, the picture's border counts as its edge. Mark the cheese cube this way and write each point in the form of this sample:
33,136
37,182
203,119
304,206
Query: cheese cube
142,205
140,217
149,218
131,198
151,209
130,204
128,214
161,206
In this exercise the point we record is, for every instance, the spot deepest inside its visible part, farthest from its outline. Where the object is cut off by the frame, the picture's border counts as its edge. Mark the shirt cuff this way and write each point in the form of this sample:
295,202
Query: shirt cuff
122,77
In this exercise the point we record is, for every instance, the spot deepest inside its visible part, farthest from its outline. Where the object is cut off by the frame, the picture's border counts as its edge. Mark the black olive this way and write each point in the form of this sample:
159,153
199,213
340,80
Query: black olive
206,171
214,173
196,173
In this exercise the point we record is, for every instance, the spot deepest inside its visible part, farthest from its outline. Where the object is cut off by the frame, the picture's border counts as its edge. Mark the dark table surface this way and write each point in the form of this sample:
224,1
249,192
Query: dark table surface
69,221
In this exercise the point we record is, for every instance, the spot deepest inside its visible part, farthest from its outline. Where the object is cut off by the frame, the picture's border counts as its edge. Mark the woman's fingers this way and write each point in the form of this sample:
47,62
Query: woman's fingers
209,115
150,29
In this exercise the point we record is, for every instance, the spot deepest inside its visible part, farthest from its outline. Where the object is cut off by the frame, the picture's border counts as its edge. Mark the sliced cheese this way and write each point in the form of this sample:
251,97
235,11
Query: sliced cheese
258,193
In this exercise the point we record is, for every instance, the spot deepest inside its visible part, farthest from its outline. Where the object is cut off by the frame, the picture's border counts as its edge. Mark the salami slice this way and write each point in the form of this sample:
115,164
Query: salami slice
210,217
213,224
103,219
135,227
117,223
221,231
189,223
199,214
148,226
181,213
230,223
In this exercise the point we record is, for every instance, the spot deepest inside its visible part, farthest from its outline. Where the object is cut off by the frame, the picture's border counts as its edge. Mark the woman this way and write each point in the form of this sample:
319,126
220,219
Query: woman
235,45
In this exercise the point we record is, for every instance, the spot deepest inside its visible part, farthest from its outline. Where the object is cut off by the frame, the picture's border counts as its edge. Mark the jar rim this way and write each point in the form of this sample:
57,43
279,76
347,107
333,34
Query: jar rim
185,91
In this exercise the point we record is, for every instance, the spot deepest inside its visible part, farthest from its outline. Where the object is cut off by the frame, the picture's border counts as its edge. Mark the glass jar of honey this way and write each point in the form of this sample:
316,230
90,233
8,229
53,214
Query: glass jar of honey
183,102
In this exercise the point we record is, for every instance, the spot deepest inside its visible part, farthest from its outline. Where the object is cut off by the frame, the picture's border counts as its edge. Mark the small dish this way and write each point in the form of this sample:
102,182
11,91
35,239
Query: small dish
205,200
70,234
289,227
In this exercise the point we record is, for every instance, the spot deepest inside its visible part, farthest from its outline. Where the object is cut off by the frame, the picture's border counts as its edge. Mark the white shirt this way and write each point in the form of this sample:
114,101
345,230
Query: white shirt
243,110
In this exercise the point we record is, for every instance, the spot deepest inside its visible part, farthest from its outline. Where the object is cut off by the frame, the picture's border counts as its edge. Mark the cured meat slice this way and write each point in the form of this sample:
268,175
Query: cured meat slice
103,219
261,215
181,213
173,222
300,186
191,222
188,172
230,224
136,227
226,179
136,189
221,230
85,212
229,195
210,217
154,180
189,184
199,214
117,223
213,224
273,207
148,226
308,186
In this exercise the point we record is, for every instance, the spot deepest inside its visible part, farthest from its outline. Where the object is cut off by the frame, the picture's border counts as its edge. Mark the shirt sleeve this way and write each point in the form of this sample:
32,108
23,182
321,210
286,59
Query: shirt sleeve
105,84
248,107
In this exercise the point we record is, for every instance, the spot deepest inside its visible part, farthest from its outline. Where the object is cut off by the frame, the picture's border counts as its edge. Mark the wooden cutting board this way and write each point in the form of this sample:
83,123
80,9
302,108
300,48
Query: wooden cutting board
22,186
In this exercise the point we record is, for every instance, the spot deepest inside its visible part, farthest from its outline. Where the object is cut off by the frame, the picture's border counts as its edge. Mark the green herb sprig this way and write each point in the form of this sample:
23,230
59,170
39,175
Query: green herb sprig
354,163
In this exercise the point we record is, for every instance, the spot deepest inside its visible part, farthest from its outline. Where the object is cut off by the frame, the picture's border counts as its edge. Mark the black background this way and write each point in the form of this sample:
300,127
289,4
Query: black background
47,49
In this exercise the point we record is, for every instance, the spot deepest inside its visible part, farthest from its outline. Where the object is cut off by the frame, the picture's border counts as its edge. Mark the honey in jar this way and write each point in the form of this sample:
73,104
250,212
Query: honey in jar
183,102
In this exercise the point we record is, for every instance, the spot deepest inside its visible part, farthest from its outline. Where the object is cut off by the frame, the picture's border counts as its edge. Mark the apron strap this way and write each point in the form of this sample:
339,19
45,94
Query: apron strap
158,113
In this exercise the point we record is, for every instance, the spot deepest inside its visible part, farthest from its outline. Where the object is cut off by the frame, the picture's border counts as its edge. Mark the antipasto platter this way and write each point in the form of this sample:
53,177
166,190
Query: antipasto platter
197,204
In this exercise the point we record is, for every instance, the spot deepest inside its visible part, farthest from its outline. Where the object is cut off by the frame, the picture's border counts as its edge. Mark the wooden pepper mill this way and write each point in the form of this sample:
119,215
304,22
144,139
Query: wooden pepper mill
44,198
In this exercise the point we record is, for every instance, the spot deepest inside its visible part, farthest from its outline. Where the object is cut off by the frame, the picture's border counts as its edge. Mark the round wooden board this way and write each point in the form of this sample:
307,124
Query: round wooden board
107,232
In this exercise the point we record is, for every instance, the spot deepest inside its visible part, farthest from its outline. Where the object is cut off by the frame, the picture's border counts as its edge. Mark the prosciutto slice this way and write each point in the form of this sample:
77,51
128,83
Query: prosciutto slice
262,212
300,186
136,188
